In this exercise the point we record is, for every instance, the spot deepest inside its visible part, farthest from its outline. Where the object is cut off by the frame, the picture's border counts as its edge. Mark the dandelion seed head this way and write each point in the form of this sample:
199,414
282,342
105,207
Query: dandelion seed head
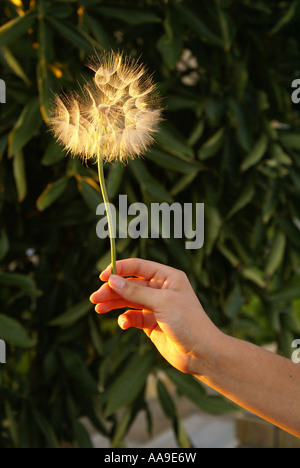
116,115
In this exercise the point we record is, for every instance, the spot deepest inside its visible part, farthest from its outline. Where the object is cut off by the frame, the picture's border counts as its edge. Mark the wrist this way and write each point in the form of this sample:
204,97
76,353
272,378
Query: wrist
206,354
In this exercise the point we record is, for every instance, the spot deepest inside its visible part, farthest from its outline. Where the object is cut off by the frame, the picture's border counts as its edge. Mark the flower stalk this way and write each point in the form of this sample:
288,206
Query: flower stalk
111,227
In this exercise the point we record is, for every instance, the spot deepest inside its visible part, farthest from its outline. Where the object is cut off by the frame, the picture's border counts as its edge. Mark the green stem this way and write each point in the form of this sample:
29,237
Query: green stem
109,214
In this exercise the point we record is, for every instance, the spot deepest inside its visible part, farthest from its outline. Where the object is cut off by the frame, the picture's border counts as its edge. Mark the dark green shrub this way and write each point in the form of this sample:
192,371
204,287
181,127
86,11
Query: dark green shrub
230,140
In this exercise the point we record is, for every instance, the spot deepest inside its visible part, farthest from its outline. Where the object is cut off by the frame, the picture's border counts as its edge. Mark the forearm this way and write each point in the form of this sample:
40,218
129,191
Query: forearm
266,384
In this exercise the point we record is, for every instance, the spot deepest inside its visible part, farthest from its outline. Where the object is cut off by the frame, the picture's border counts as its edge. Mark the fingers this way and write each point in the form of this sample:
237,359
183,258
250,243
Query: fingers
105,293
146,297
137,319
136,267
107,306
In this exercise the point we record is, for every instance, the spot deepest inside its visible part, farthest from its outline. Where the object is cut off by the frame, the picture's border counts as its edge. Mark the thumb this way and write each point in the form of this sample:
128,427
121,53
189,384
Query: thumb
132,292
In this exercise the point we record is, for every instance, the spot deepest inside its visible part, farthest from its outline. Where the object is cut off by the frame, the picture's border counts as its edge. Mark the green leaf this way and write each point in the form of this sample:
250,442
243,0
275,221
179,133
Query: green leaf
190,387
166,401
169,162
174,142
213,227
184,101
241,125
115,179
45,83
45,428
129,383
25,283
4,244
292,232
122,428
187,384
290,140
82,437
277,253
15,28
227,29
254,275
286,18
91,196
9,59
234,302
3,145
217,405
193,21
286,294
150,186
75,35
20,175
170,49
133,17
256,154
212,146
51,193
233,259
183,183
78,371
53,154
99,32
13,425
13,333
245,198
72,315
181,435
26,126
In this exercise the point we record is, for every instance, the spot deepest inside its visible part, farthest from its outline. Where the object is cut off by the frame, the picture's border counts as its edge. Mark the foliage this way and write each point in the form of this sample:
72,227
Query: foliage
230,140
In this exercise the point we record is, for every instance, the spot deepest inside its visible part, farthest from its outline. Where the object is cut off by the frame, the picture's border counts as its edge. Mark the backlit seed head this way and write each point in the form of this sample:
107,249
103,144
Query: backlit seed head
116,115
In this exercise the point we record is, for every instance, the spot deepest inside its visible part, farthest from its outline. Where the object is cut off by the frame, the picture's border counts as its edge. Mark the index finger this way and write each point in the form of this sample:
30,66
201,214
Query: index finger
144,269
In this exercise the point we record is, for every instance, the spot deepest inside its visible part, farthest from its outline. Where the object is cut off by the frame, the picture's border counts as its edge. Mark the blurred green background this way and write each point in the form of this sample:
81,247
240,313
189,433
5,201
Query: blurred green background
230,140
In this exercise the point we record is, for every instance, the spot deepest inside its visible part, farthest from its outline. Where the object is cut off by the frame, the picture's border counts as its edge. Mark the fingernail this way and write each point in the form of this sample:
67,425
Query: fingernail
117,281
92,300
123,323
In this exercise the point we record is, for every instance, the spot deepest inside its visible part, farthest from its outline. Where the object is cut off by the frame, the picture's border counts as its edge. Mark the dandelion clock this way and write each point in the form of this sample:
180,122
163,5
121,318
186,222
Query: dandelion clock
114,118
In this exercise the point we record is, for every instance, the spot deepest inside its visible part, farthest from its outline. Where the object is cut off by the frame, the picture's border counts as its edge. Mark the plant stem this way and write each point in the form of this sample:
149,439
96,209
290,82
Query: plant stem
109,214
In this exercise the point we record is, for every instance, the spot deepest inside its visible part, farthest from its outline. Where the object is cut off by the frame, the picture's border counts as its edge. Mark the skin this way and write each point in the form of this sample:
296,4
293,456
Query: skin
161,302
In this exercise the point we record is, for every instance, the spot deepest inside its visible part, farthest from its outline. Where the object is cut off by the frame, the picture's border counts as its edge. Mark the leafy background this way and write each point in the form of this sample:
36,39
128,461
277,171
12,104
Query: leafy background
230,140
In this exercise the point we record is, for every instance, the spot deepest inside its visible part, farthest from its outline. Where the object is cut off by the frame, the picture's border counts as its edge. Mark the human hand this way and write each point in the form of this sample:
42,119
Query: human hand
161,302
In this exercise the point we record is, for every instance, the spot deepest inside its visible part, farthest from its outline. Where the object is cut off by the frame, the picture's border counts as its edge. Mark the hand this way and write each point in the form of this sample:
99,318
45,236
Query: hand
161,302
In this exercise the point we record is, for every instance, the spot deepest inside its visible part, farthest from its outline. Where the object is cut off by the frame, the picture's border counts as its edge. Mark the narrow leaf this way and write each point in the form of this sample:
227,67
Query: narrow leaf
72,315
133,17
20,175
129,383
276,254
4,244
12,332
12,30
75,35
193,21
51,193
256,154
244,199
26,126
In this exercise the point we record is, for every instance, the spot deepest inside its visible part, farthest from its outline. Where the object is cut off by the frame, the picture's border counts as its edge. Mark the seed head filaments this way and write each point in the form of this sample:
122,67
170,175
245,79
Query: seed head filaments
113,119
